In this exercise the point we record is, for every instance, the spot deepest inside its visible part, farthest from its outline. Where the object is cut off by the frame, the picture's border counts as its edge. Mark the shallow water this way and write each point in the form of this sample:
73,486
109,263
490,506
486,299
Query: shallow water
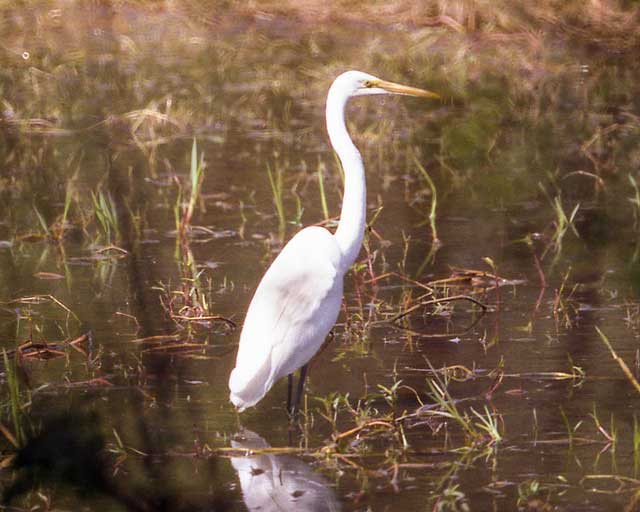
107,101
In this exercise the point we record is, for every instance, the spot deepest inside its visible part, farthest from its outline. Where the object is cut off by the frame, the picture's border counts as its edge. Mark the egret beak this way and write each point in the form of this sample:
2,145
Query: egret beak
393,88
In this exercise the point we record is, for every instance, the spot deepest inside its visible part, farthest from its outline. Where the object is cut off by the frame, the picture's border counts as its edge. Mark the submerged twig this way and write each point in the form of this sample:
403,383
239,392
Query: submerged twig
355,430
39,299
205,318
436,301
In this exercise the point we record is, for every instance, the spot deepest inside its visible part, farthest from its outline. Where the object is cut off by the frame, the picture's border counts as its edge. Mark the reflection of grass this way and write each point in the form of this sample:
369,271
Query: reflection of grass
15,404
610,435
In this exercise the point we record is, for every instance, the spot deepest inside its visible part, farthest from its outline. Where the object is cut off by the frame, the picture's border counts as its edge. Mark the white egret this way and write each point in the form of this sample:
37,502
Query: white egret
298,300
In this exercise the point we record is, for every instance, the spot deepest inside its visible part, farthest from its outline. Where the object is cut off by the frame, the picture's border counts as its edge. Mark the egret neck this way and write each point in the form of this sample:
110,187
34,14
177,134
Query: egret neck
350,230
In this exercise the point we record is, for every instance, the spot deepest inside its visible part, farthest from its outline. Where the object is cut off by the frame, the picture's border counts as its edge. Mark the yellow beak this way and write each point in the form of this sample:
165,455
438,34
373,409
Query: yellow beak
394,88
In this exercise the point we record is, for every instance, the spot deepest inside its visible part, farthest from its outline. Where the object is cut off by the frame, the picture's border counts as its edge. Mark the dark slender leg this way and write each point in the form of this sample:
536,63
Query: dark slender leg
303,375
290,393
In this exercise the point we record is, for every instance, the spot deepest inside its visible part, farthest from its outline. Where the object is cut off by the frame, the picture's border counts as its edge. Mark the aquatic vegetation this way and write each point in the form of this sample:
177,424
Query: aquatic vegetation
123,269
184,213
623,366
434,200
16,436
105,212
191,303
276,189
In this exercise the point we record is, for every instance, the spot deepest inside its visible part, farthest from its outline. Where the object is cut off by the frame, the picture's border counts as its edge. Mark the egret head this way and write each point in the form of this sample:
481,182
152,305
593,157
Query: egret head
357,83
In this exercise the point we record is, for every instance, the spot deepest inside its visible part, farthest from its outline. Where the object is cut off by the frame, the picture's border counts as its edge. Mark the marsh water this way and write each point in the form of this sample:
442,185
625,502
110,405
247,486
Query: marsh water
529,164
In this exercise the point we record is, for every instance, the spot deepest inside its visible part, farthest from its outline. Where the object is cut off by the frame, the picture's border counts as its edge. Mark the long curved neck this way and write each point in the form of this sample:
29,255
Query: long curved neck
350,230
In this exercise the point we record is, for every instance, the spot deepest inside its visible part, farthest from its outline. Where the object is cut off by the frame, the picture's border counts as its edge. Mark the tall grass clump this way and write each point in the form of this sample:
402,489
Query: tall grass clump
105,212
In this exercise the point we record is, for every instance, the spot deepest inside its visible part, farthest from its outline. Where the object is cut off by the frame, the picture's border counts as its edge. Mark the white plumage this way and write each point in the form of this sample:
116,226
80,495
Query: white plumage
296,304
298,300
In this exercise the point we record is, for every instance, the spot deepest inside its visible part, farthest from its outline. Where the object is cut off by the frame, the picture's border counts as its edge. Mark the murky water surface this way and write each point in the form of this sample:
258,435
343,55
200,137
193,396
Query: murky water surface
537,212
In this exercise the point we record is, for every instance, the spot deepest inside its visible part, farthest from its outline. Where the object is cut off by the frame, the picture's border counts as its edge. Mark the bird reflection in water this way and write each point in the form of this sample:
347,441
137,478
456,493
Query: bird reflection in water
273,482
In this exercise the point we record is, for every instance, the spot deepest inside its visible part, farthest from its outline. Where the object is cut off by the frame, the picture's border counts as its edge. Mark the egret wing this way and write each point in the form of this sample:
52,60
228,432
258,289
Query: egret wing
293,309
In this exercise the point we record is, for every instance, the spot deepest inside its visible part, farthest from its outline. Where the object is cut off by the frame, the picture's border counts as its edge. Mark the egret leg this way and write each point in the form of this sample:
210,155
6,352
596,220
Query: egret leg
303,375
290,393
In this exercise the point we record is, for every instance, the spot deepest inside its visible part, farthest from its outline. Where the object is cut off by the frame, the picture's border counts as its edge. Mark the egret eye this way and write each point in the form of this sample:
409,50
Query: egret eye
367,84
